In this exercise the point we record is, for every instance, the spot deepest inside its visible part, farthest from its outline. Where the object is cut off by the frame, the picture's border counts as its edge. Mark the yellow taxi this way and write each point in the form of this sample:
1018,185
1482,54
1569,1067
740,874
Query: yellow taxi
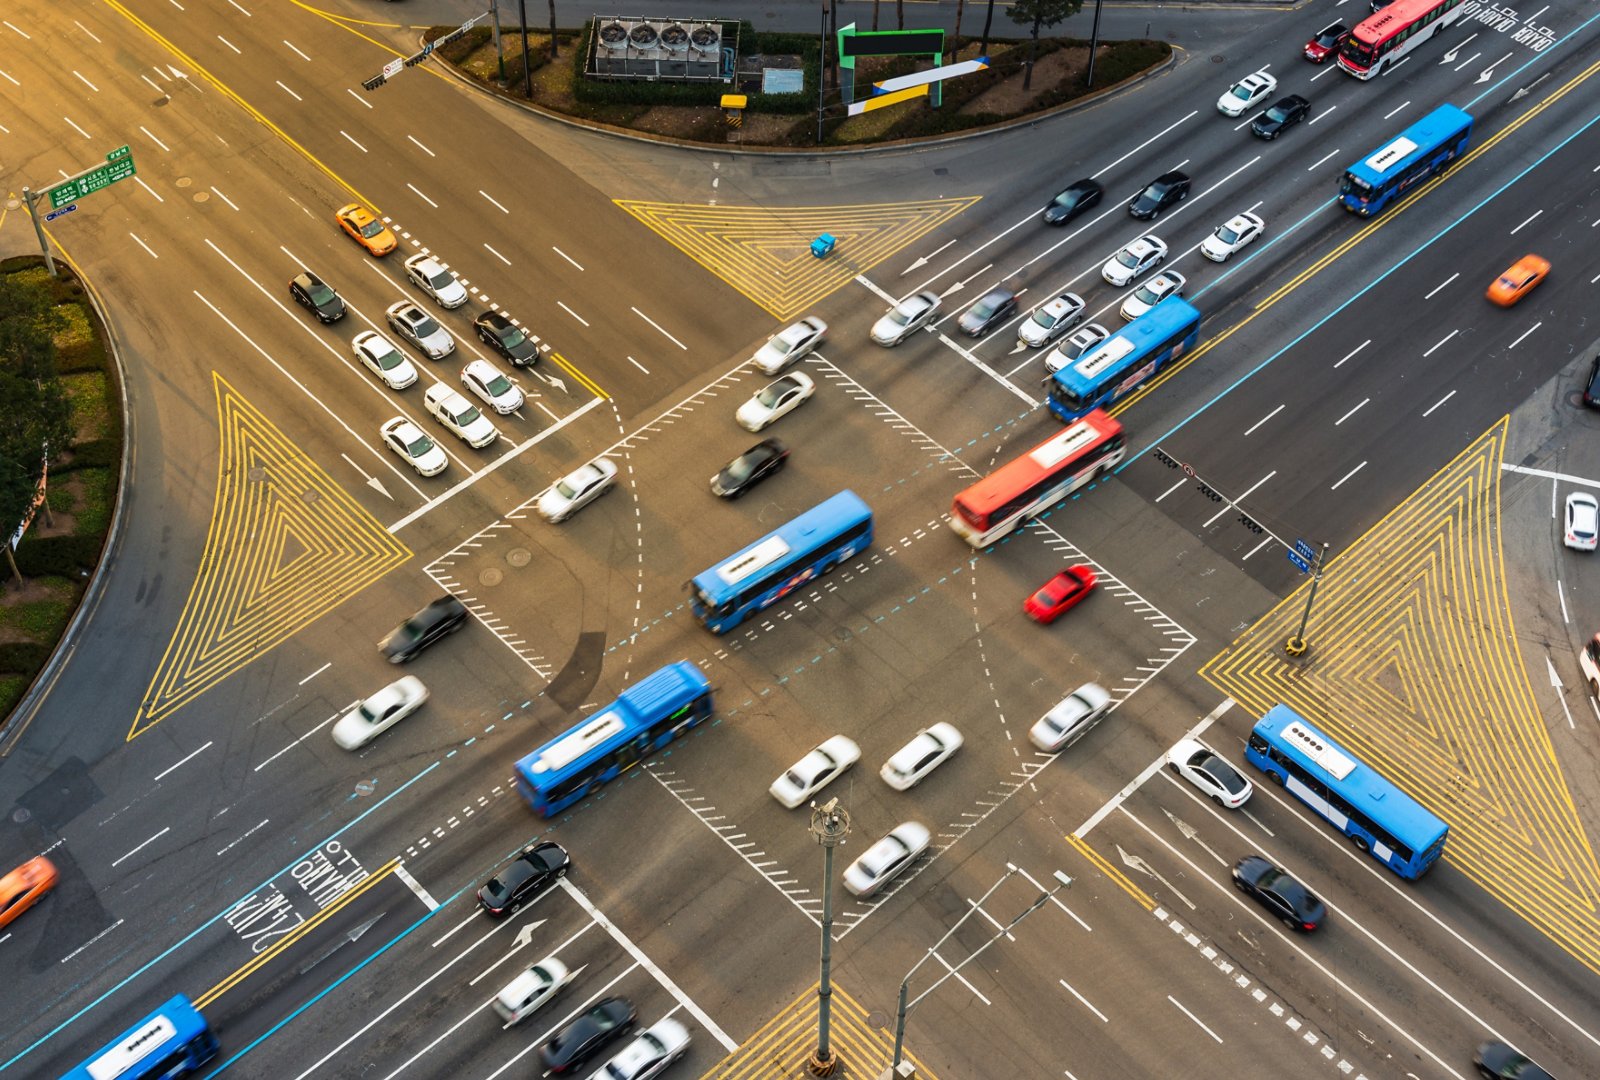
1519,280
365,229
24,887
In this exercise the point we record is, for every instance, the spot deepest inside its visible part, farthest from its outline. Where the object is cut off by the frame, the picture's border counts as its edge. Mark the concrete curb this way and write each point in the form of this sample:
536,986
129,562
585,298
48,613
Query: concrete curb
14,725
805,152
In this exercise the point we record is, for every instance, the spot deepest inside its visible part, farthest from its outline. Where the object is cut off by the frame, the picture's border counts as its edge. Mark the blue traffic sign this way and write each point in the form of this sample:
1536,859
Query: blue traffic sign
1305,567
1305,550
69,208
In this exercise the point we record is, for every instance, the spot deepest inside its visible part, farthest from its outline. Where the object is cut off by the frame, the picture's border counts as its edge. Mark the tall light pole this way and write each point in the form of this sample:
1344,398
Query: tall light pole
830,824
1296,645
1062,882
1094,44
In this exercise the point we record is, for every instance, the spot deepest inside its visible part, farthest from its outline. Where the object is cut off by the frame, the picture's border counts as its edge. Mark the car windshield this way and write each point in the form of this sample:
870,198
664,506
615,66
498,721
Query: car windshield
1044,318
1127,257
419,446
421,322
499,385
1147,292
467,415
1227,235
900,316
572,486
780,345
1278,113
371,229
1242,92
368,713
321,294
769,395
1068,198
1222,773
388,359
985,308
511,336
441,279
740,468
1154,192
878,859
1329,36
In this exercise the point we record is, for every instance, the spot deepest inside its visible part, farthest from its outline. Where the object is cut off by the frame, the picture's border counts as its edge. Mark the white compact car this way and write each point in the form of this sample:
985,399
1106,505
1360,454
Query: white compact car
1050,320
881,862
1235,233
926,751
778,398
492,387
1246,94
1209,771
819,768
576,490
790,345
649,1054
905,318
460,416
413,445
1583,521
1071,719
1146,296
380,712
524,995
421,329
379,356
1137,258
429,275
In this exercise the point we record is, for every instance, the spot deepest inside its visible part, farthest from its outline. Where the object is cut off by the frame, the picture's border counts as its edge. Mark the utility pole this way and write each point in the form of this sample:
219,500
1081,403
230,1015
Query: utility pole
1094,43
527,75
1297,645
830,824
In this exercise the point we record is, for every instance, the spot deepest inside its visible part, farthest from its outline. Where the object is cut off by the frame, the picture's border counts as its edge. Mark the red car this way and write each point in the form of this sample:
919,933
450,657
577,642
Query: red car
1326,42
1060,593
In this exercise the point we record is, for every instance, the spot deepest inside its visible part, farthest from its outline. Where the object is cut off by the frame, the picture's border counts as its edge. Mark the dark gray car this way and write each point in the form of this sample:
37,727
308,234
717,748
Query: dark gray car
992,309
444,616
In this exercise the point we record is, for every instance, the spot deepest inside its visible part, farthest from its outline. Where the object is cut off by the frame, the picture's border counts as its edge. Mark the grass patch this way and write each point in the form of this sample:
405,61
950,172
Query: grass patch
77,331
12,687
99,493
91,404
43,618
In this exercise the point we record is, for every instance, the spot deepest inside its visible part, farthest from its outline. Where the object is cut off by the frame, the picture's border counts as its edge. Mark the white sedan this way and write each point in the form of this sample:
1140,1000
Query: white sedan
380,712
460,416
1246,94
1212,773
905,318
649,1054
419,328
790,345
1146,296
1071,718
429,275
777,398
880,863
409,441
493,388
524,995
1136,259
1075,347
926,751
819,768
1050,320
1231,236
1583,521
576,490
379,356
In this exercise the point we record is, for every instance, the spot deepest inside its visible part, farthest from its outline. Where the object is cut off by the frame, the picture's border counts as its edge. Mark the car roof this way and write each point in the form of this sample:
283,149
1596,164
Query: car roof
1056,306
1256,78
1173,177
404,428
1240,222
1141,246
481,368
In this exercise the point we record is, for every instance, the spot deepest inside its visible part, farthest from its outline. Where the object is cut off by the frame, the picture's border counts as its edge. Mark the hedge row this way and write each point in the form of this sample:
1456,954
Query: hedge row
58,556
23,657
93,454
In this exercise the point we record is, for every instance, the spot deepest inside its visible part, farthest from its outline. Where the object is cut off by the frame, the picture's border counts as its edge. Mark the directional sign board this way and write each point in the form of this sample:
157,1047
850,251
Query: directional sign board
1306,550
69,208
118,166
393,67
1305,567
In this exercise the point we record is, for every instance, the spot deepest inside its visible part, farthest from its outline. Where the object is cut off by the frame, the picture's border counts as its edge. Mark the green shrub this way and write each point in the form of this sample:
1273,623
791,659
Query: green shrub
58,556
94,454
23,657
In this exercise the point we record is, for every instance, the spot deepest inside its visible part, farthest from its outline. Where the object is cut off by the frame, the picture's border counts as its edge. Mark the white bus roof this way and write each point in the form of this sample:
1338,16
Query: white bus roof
1330,759
1105,356
753,561
1048,455
578,741
1391,155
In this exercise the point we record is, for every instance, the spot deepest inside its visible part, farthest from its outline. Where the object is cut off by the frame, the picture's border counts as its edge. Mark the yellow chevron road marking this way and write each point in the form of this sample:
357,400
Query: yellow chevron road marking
783,1045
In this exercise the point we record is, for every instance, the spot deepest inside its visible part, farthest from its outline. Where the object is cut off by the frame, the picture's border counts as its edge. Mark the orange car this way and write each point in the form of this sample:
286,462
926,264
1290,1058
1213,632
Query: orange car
1518,281
24,887
365,229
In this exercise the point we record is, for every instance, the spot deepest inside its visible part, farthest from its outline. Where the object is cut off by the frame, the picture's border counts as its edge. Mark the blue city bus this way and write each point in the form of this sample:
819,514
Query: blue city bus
780,562
175,1040
1406,160
1118,365
1382,820
644,718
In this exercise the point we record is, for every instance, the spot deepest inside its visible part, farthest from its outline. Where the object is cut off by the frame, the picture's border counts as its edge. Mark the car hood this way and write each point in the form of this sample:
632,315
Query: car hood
1031,333
886,329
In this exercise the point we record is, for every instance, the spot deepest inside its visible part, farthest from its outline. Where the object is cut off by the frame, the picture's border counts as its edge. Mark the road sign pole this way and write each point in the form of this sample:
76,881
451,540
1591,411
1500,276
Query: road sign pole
30,197
1296,646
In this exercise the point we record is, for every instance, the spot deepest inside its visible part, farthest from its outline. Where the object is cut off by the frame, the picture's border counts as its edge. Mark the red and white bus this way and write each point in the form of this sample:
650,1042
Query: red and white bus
1380,40
1037,480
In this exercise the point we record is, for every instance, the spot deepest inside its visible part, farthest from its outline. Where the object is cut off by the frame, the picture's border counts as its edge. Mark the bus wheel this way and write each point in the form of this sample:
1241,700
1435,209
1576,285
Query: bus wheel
1361,843
1274,777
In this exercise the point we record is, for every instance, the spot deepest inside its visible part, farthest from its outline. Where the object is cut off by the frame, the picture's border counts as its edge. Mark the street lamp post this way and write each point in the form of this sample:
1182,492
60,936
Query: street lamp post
830,824
1296,645
1062,882
1094,44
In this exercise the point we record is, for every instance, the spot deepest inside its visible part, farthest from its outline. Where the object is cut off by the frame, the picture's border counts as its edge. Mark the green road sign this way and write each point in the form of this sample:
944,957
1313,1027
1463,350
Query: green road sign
118,166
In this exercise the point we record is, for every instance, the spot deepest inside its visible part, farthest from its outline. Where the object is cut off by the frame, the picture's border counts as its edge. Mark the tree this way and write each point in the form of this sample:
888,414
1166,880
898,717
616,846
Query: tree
36,423
1040,13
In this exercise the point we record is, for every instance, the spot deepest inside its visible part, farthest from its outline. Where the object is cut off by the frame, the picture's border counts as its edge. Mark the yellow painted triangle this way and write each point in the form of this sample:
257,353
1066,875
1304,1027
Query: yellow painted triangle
286,545
1415,665
765,252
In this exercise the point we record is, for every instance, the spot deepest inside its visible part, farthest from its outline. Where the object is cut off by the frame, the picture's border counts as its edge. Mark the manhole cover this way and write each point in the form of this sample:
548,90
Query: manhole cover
519,557
491,576
256,474
310,495
185,181
202,196
366,787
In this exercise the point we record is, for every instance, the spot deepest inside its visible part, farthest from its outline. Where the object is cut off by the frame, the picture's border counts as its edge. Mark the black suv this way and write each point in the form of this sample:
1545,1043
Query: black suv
533,871
444,616
1166,190
316,296
506,338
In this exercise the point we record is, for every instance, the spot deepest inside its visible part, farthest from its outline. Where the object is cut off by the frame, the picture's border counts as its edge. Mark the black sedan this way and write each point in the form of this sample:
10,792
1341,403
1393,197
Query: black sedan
1591,389
538,867
1497,1061
316,296
992,309
588,1035
1279,893
1168,189
750,468
1285,114
506,338
1072,202
444,616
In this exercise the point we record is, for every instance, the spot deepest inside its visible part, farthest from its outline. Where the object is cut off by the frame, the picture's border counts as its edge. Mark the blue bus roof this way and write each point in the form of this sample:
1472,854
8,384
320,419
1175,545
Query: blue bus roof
665,691
1127,346
177,1020
661,693
802,533
1417,141
1362,786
